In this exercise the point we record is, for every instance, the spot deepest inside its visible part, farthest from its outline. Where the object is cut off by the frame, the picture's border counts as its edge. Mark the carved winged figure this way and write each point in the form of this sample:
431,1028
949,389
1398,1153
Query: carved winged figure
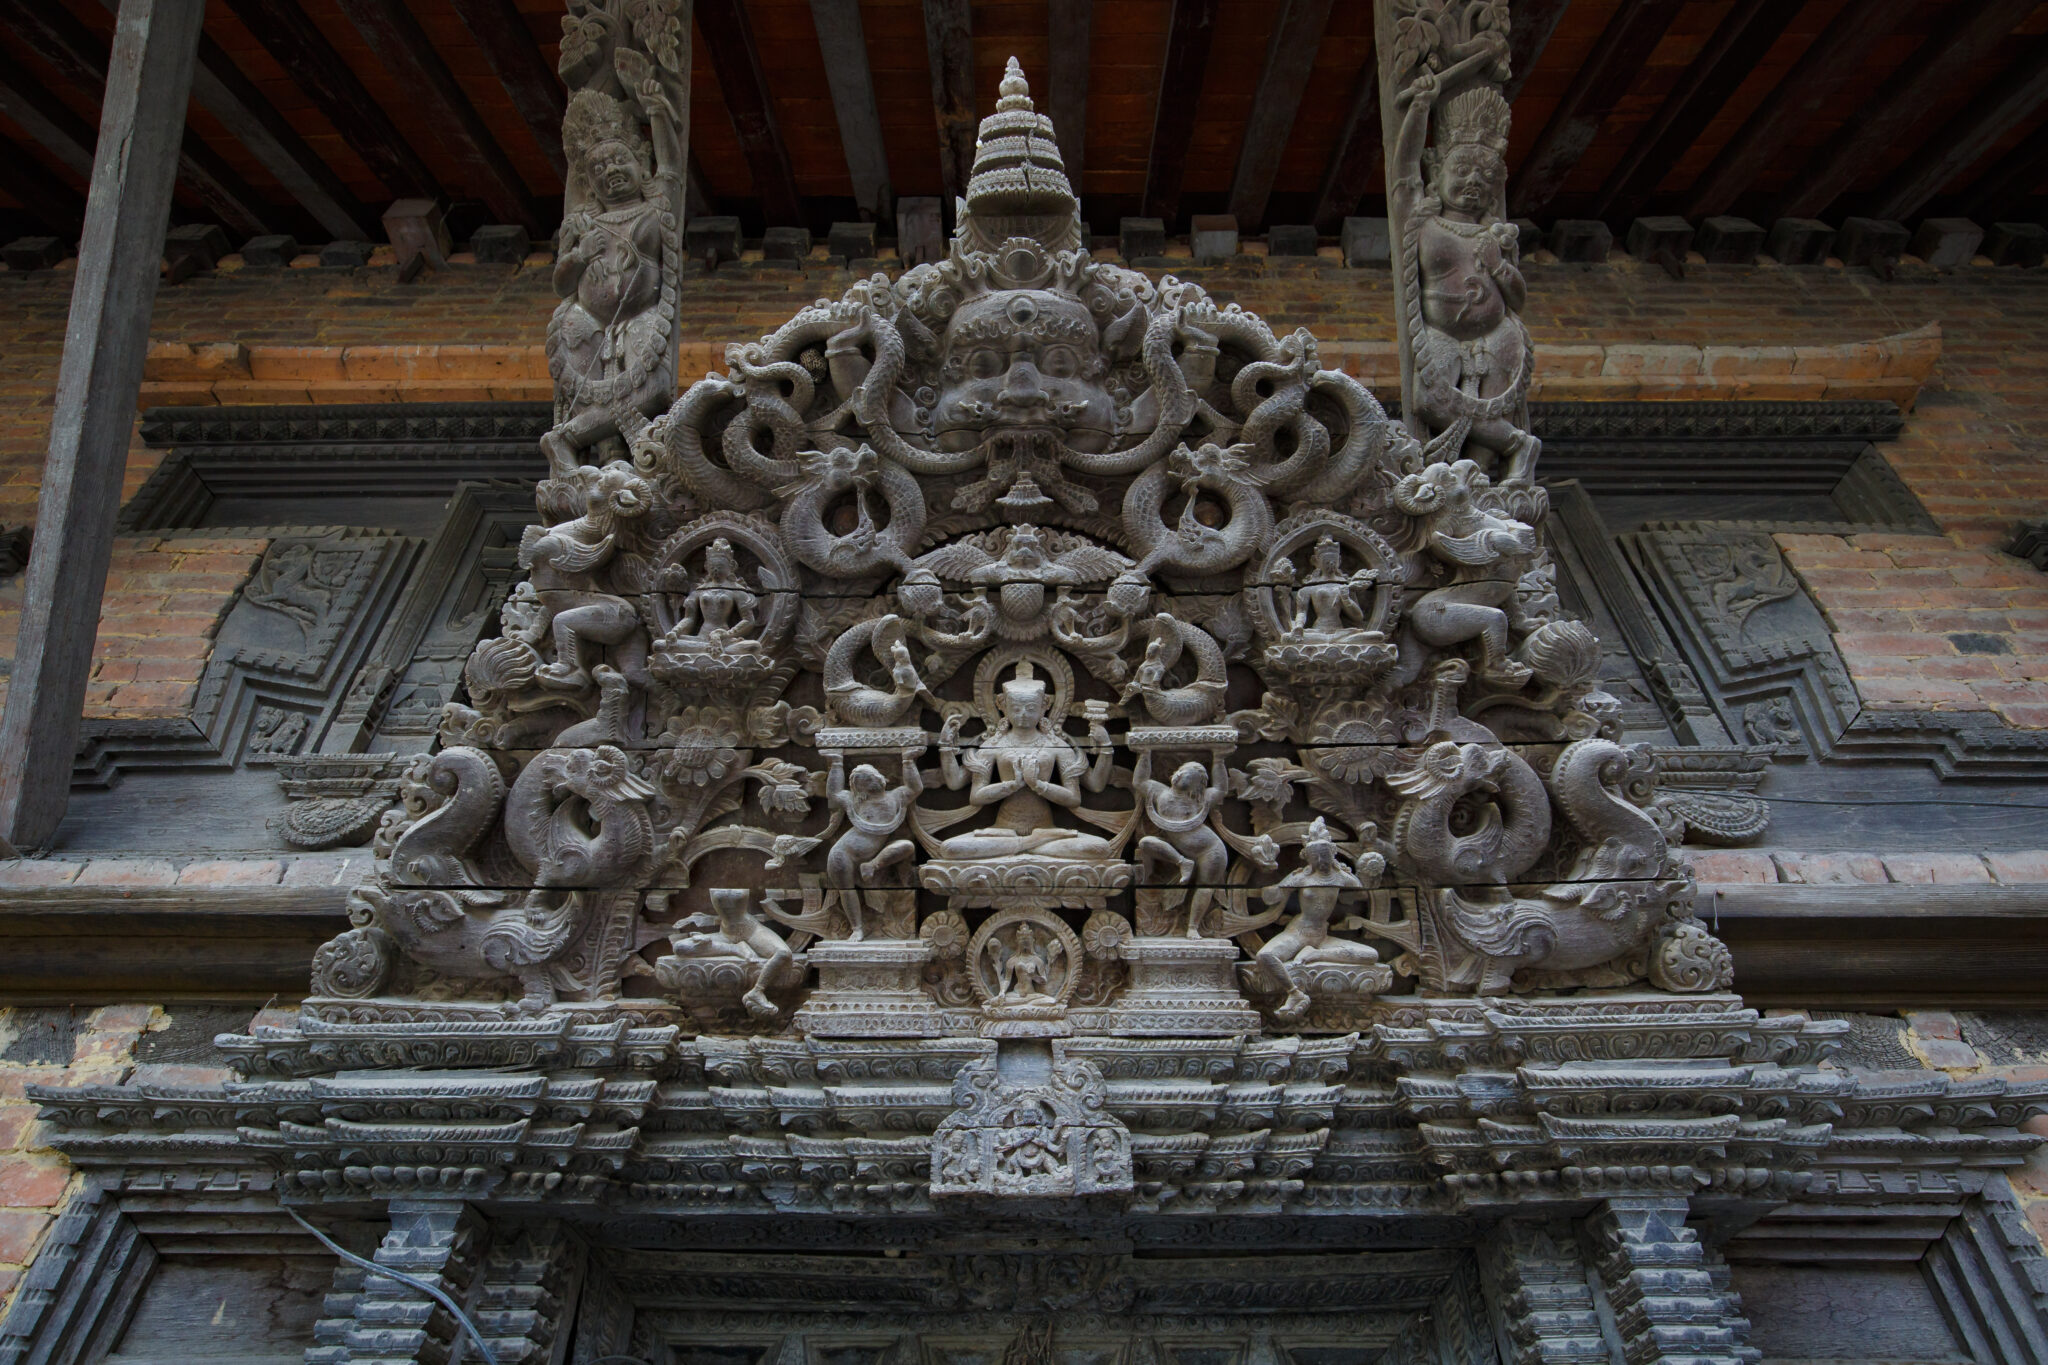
1020,571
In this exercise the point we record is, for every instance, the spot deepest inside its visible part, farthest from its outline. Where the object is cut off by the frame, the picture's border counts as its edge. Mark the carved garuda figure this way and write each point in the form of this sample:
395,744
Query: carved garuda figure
1197,635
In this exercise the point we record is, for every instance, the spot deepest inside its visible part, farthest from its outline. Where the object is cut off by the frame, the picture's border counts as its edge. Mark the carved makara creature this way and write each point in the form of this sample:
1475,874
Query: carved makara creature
1054,518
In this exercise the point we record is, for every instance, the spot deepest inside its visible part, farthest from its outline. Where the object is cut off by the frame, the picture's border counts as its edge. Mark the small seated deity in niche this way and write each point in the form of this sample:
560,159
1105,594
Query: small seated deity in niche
609,345
721,610
1024,967
1179,811
1024,767
873,813
1325,606
1472,353
1319,882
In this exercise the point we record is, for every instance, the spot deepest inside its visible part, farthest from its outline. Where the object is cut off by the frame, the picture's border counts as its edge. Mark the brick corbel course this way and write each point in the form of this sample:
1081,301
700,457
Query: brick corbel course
227,373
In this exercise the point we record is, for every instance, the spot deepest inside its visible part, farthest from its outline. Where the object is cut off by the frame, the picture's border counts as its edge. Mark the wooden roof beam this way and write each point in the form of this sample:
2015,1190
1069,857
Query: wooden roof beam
843,43
1190,32
1530,24
398,41
730,37
1602,80
1069,27
1994,195
1290,56
2015,98
1828,61
78,55
520,66
949,45
1889,119
1355,160
45,118
1740,42
303,50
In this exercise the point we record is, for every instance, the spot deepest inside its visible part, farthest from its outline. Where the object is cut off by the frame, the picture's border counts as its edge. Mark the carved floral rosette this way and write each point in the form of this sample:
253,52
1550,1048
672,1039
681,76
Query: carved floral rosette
1025,585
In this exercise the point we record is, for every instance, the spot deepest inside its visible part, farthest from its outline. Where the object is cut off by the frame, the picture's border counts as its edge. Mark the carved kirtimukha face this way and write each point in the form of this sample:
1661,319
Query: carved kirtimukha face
1469,179
1024,363
615,171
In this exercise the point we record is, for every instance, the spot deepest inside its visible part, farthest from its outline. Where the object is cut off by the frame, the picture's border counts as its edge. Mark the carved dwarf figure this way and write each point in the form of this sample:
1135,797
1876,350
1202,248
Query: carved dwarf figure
1464,291
1179,811
1318,884
609,343
873,813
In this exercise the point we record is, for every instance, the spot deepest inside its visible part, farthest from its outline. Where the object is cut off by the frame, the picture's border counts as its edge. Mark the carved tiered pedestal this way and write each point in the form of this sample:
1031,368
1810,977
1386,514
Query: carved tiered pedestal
871,989
1182,987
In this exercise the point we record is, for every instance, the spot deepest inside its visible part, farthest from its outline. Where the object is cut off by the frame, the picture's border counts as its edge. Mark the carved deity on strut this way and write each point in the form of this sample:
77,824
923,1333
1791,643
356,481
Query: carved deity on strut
721,610
1469,350
610,343
1317,885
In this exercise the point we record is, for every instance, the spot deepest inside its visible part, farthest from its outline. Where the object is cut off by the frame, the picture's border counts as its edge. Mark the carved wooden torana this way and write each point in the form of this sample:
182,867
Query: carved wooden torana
1027,736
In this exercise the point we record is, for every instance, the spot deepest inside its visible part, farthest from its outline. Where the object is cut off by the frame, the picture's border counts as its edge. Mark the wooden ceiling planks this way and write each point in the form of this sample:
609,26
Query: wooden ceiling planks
1260,125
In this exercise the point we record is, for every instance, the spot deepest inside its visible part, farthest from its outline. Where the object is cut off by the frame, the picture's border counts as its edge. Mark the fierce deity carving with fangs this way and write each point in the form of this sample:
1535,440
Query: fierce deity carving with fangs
1024,647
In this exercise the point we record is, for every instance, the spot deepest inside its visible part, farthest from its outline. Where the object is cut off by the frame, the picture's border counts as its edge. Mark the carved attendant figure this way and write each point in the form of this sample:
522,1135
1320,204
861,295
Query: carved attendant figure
1180,812
873,812
609,344
1465,294
1028,766
1320,882
738,932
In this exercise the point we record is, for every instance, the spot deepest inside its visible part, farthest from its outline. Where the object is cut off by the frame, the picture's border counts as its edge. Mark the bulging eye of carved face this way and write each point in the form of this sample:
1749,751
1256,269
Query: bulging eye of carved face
1468,179
1025,362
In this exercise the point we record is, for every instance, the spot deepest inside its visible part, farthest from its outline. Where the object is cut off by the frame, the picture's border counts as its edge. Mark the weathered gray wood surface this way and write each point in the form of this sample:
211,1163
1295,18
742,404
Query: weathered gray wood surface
141,124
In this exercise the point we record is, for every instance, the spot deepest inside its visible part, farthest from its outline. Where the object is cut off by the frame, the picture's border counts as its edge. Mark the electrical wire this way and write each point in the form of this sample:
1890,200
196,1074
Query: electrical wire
483,1347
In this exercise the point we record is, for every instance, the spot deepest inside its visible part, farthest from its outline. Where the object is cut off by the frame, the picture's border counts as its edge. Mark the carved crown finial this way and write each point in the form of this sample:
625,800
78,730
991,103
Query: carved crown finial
1016,91
1478,117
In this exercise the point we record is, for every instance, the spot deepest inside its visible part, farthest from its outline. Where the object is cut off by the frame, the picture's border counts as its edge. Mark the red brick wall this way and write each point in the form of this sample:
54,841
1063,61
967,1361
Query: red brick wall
1976,449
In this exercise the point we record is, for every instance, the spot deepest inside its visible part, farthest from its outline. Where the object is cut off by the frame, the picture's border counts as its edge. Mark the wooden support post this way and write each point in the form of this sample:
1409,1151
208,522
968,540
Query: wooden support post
1189,34
1616,60
843,43
737,58
141,122
949,45
1835,56
1068,29
1892,116
1290,56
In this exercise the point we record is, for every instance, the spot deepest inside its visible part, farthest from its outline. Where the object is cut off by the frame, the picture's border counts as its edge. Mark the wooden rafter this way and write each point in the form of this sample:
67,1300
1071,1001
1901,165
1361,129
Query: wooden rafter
79,57
949,45
2007,180
1069,27
520,66
1290,56
1530,24
1190,33
1355,159
398,41
300,47
45,118
1738,44
730,38
2013,99
1828,61
1892,116
1615,62
842,42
